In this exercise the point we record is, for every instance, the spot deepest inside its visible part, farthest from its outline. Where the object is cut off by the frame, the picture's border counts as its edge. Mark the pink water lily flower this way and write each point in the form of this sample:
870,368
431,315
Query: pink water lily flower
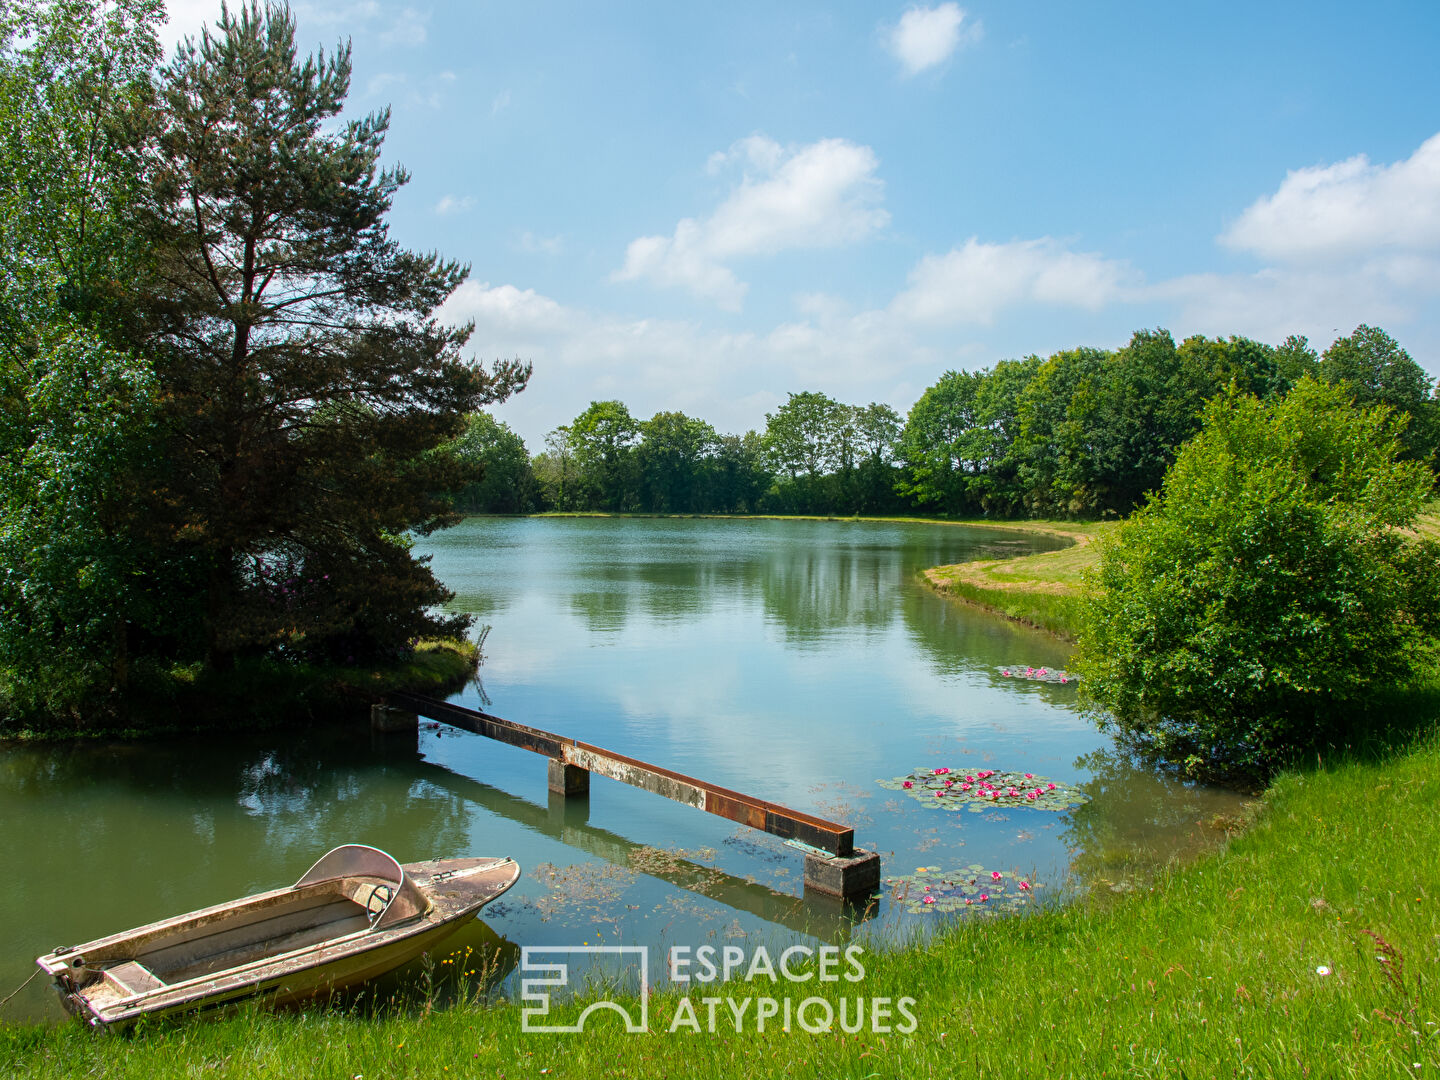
968,900
949,782
1063,679
927,899
1006,673
941,772
906,784
1049,787
983,898
970,778
1031,795
995,875
964,787
1024,885
939,794
1029,776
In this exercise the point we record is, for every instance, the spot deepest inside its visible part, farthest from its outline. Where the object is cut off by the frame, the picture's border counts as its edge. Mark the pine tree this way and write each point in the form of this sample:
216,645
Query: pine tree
308,385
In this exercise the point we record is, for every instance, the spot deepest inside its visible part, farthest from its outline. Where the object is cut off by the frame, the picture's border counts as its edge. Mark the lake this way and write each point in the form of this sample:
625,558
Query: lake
796,661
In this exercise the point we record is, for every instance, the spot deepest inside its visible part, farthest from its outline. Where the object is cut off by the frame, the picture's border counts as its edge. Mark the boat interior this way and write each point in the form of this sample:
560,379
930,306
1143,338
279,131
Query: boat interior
349,890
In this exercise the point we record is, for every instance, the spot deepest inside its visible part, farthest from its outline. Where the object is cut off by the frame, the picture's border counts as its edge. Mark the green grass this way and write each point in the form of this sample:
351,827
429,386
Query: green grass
1040,590
1212,972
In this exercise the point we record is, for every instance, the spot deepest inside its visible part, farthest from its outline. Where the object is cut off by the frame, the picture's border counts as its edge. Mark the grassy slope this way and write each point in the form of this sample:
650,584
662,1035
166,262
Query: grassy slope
1213,972
1041,590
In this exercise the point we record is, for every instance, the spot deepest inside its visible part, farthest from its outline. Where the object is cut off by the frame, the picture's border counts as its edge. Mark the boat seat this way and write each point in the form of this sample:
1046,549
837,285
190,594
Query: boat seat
132,978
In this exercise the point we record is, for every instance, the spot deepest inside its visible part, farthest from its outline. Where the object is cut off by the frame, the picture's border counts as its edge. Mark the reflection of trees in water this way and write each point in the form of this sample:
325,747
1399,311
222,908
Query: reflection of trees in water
812,577
1137,821
957,637
811,593
119,835
656,589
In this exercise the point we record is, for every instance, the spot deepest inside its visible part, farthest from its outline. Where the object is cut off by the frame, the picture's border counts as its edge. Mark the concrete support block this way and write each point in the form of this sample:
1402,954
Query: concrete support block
855,878
569,780
386,719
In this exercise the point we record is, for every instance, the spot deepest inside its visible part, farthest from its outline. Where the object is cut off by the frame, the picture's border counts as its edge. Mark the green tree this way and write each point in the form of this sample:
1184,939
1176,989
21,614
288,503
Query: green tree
1378,371
603,440
1294,359
556,473
82,581
1056,450
674,459
1248,612
807,438
507,484
936,446
305,376
739,478
878,429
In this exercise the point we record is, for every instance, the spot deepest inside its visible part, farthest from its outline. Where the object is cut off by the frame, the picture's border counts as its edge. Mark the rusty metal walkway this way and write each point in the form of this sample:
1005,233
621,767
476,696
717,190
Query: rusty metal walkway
832,864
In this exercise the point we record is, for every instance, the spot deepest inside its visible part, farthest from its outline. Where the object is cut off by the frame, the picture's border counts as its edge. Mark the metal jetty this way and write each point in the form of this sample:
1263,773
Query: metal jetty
833,865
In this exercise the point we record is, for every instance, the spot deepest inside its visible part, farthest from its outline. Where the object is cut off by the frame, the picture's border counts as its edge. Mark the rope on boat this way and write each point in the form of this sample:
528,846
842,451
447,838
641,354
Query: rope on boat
22,986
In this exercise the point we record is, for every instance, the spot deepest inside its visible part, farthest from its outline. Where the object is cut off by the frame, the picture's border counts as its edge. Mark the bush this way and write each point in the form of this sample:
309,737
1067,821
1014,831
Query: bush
1246,613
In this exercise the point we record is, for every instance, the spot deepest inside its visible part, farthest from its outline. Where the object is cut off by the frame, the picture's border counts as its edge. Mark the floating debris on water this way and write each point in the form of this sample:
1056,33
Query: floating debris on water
983,789
1036,674
969,890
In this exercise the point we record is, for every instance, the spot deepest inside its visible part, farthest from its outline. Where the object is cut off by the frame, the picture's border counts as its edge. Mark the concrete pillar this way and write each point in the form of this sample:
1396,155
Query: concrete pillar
853,878
568,780
386,719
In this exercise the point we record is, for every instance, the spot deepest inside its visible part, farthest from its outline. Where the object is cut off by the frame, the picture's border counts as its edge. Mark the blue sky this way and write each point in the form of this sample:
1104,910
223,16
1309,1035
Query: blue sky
705,207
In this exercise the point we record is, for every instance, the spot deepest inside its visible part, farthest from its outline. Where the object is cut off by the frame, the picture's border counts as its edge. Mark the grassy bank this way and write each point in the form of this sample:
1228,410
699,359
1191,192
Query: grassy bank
1309,946
1040,590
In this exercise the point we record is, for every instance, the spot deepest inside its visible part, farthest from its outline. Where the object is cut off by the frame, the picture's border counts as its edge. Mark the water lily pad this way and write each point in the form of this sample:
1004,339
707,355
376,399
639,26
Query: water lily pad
960,891
983,789
1031,673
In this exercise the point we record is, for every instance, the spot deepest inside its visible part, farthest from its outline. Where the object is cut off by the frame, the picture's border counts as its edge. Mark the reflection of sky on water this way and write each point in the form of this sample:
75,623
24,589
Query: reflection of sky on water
795,661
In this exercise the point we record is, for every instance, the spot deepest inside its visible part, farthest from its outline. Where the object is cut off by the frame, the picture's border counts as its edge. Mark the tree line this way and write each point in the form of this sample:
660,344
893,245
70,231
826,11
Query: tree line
1085,432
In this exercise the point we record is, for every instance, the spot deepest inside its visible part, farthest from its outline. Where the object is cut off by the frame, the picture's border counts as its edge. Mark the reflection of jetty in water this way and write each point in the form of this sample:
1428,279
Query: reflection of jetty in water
567,820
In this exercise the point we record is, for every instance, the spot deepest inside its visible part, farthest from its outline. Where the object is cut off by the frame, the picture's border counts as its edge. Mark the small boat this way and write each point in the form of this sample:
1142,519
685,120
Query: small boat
354,915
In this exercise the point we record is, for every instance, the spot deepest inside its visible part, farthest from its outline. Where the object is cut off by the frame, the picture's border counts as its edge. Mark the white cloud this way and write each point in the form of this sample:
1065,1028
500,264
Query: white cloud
1347,209
972,283
500,103
1270,304
409,28
925,37
532,244
504,308
451,204
729,379
816,196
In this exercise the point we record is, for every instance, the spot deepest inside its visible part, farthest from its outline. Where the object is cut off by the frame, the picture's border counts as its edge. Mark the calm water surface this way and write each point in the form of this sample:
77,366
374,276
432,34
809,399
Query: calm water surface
796,661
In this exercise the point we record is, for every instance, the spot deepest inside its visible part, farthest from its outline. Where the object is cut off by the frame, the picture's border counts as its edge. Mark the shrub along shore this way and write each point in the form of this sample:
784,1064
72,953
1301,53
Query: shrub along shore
1308,945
